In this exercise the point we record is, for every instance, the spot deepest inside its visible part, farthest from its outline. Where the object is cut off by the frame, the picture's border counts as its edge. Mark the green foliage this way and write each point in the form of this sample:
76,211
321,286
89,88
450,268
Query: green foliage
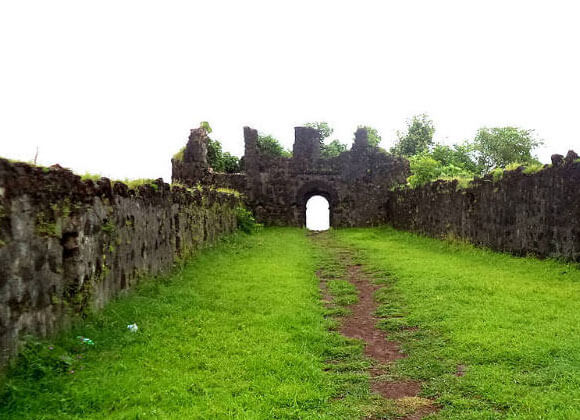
324,130
179,155
205,125
497,174
109,227
459,155
231,163
332,149
228,191
220,161
426,169
135,183
40,359
416,139
500,146
46,225
246,221
92,177
270,146
215,157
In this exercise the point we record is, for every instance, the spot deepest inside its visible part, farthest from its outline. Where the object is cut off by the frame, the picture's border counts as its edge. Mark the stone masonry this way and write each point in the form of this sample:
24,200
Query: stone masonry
277,188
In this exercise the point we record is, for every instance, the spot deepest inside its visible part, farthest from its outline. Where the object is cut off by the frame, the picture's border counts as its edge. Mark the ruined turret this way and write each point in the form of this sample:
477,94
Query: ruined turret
190,165
361,141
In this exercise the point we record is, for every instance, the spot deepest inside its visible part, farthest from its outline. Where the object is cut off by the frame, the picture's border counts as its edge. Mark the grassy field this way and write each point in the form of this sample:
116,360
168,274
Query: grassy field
511,325
240,332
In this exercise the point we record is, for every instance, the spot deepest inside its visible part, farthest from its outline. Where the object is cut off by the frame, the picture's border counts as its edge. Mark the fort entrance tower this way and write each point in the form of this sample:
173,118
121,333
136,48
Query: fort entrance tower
355,183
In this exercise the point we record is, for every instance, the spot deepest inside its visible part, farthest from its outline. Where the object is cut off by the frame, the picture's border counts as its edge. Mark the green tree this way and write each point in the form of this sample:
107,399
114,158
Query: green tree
459,155
332,149
215,155
416,139
270,146
231,163
425,168
500,146
324,130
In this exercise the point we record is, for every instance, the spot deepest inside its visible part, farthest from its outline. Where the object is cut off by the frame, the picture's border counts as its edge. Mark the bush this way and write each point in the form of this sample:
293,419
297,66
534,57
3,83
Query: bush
270,146
246,221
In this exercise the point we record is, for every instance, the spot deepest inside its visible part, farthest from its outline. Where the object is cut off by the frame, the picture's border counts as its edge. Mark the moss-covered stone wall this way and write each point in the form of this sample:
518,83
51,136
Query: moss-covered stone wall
67,246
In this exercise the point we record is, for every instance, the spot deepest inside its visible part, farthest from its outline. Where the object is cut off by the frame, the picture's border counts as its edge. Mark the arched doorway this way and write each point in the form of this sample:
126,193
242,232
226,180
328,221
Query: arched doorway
317,213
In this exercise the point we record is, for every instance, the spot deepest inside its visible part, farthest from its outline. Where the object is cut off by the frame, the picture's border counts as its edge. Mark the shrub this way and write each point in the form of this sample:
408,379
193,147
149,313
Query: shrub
246,221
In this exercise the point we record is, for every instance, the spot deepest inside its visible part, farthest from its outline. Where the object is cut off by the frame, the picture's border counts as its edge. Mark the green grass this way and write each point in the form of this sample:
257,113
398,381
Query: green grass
514,323
239,332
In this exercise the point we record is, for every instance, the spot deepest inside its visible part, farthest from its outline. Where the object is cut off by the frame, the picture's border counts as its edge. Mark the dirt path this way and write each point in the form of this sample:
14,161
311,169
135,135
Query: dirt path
361,324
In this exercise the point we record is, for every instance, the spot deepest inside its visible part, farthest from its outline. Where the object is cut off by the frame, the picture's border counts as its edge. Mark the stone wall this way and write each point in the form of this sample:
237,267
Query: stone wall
68,246
355,183
521,213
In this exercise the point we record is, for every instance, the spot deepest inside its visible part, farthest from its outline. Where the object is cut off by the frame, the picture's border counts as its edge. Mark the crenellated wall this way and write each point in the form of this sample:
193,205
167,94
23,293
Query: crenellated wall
355,183
68,246
537,213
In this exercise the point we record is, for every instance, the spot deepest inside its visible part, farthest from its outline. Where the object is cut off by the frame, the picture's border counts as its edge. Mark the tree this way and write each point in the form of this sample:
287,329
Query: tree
215,155
426,168
500,146
231,163
332,149
270,146
459,155
324,130
417,138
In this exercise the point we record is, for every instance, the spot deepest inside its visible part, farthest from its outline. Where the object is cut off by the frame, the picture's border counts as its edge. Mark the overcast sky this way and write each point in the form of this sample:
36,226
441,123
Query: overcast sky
113,87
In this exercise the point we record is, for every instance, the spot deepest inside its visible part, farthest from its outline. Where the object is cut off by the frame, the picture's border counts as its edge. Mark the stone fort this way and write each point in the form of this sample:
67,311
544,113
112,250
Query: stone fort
355,183
68,244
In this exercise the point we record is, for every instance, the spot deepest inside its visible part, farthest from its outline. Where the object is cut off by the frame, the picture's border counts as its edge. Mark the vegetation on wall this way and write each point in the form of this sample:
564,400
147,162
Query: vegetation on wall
491,151
270,146
498,147
217,159
328,149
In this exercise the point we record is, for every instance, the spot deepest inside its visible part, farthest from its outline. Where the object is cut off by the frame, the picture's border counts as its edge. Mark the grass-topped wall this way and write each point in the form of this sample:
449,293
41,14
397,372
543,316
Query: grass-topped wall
68,245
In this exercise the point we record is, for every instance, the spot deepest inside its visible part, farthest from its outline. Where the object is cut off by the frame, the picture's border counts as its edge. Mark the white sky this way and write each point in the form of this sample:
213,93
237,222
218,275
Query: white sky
113,87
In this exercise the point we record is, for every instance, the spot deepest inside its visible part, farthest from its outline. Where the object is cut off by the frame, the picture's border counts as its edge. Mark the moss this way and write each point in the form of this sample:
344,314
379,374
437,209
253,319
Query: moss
109,228
534,168
134,183
228,191
92,177
2,243
497,174
179,155
44,226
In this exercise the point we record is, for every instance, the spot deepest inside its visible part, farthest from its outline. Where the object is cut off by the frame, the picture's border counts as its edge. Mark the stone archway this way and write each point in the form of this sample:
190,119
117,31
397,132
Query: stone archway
311,189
